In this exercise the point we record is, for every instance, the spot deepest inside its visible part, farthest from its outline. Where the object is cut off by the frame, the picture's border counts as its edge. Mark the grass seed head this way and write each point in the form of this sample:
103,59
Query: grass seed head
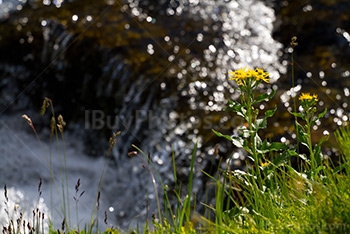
46,104
113,141
98,200
106,222
29,121
5,192
216,150
52,126
63,224
294,42
77,186
132,153
61,124
39,188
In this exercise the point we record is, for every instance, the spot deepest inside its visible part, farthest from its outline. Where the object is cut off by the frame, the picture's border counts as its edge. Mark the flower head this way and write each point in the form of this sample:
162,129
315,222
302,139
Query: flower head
261,75
307,96
243,76
239,76
307,101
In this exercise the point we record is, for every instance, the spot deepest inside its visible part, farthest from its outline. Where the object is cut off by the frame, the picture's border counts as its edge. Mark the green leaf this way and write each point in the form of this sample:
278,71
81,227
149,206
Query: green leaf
300,127
306,145
242,112
318,154
260,156
323,139
277,146
342,136
262,97
322,114
268,170
269,147
246,146
339,168
265,96
297,115
301,134
270,113
245,133
283,157
292,153
264,146
234,106
317,149
237,141
261,123
257,141
303,157
291,169
318,169
221,135
251,158
319,116
191,182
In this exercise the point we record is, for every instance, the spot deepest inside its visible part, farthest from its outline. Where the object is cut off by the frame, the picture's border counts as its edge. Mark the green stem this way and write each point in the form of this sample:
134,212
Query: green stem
50,167
155,190
64,209
294,102
98,194
51,178
293,85
148,158
308,126
65,167
252,134
76,212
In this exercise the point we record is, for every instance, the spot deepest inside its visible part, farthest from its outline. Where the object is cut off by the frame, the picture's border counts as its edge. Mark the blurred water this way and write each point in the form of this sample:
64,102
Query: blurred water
24,162
7,6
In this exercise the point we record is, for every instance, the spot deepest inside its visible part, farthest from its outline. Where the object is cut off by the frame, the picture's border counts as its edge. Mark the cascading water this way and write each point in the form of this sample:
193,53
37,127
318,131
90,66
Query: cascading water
158,75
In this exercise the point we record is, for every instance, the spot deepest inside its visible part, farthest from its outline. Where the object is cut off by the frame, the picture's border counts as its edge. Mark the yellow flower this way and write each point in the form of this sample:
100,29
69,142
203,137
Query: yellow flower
242,76
251,73
307,96
239,76
261,75
265,164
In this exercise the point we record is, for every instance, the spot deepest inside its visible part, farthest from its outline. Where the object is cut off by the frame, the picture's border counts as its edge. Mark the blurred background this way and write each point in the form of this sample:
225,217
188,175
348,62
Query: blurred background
156,70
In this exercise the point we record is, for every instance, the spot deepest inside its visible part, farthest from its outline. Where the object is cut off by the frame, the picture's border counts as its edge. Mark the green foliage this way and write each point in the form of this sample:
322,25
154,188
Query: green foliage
275,197
342,136
308,103
248,136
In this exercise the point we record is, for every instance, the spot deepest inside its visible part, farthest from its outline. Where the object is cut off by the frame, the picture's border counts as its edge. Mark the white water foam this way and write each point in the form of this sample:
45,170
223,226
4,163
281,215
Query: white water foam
23,163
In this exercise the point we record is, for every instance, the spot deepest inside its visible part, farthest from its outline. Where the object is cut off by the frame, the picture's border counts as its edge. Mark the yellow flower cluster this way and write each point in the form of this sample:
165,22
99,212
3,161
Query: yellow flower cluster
242,76
307,96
